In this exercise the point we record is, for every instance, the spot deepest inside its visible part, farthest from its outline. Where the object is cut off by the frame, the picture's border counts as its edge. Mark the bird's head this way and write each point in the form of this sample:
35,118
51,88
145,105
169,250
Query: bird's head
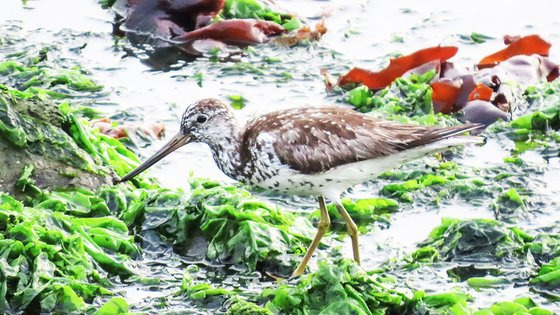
203,121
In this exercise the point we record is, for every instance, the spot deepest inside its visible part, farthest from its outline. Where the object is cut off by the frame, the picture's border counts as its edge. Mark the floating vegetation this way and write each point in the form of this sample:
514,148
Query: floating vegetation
238,228
363,212
52,261
406,100
488,254
538,129
254,9
36,77
72,241
344,288
341,288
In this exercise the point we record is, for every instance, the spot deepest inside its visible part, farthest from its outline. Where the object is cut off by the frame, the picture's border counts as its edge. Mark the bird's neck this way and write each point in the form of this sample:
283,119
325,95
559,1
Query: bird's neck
225,147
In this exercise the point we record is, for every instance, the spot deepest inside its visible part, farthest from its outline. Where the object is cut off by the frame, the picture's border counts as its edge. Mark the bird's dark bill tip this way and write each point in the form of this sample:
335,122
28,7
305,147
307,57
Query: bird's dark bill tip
175,143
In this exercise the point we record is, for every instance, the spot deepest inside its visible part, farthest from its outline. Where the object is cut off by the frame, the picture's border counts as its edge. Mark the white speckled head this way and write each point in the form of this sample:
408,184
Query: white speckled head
207,120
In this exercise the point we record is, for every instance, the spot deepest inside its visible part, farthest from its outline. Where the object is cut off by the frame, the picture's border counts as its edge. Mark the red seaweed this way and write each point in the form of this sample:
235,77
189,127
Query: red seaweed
235,31
481,92
168,18
397,67
528,45
444,96
523,61
165,23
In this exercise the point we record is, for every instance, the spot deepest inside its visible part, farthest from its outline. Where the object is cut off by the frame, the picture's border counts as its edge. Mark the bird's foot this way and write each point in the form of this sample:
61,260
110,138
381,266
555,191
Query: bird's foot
299,271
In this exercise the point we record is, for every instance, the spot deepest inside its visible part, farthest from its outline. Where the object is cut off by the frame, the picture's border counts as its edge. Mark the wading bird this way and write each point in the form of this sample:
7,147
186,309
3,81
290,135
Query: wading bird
308,151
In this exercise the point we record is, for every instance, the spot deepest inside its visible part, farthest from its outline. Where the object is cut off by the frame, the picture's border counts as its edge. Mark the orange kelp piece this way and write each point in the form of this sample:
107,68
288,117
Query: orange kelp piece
481,92
444,96
397,67
528,45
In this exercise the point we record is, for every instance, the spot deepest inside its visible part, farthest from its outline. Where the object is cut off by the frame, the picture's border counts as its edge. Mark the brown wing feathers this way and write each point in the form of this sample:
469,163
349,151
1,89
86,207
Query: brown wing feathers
314,140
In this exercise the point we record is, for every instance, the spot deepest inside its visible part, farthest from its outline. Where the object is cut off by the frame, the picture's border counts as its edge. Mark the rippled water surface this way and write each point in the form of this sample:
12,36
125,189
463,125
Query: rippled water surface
360,33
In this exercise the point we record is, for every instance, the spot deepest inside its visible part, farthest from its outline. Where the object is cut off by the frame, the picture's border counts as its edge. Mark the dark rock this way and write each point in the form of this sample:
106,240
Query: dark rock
42,143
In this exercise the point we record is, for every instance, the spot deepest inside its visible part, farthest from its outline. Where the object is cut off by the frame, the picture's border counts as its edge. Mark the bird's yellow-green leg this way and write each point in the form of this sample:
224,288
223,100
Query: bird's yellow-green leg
322,228
352,230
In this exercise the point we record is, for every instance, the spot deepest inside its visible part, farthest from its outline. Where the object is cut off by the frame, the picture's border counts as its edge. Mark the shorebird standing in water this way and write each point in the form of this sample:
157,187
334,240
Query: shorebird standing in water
308,151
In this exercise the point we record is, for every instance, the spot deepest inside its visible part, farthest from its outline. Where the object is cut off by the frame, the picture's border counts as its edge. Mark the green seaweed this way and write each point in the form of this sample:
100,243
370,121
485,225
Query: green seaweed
363,212
538,129
105,4
447,180
38,77
457,303
487,282
338,288
26,184
115,306
411,96
254,9
239,229
242,307
509,201
59,250
407,100
475,38
108,150
549,274
237,101
513,253
521,306
49,141
52,261
474,240
200,290
444,303
236,227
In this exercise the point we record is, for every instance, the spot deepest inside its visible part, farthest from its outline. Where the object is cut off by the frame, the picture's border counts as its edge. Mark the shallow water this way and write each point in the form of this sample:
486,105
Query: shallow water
361,33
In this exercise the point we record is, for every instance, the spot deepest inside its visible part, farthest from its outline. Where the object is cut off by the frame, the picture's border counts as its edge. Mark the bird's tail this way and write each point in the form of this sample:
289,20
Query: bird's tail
436,135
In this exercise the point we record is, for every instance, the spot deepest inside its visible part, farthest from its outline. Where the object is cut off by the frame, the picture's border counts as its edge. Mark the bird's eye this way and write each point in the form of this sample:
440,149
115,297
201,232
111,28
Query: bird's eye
201,119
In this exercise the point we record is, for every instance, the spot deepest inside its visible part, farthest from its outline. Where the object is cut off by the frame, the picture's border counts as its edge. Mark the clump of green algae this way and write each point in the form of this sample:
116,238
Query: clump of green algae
135,205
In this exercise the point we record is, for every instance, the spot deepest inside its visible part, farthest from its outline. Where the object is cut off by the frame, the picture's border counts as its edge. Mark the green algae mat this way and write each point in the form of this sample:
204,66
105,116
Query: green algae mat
468,231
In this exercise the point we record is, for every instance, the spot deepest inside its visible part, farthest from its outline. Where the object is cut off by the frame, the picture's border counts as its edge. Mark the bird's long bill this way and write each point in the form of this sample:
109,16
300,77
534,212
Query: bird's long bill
175,143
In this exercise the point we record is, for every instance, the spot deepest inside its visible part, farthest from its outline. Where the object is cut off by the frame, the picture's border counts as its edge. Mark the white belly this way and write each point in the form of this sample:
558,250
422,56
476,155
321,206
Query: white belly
332,183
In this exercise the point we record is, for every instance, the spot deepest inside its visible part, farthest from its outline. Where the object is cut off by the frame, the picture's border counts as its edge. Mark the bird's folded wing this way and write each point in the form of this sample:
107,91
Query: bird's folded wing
315,140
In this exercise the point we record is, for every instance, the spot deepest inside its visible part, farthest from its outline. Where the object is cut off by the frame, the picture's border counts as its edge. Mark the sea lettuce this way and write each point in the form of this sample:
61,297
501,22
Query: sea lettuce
480,240
242,307
39,77
115,306
363,212
549,274
538,129
457,303
521,306
255,9
488,253
199,290
446,179
338,288
407,100
238,228
410,95
51,261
